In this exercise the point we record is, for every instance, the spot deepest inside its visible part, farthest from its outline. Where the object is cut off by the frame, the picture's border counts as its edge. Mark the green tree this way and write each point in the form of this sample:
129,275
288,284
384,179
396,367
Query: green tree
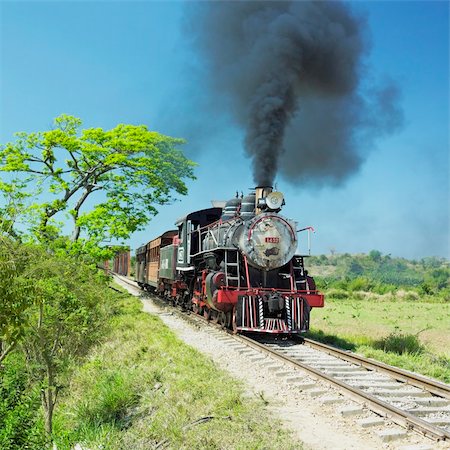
375,255
66,317
108,182
354,267
129,168
53,309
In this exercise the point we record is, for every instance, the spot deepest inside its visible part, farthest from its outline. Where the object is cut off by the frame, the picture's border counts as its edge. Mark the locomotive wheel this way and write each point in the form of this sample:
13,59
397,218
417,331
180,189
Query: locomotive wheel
222,319
228,320
215,317
186,302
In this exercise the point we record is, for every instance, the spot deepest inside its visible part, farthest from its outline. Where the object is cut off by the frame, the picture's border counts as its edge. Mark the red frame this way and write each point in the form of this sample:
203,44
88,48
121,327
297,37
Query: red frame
315,299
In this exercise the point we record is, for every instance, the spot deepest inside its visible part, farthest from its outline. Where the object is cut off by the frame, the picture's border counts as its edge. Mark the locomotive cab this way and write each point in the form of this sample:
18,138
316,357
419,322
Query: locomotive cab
189,234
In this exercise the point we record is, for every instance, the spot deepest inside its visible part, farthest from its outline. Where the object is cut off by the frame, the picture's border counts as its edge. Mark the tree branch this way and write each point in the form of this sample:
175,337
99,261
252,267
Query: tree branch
7,351
55,342
77,229
36,171
44,398
34,159
75,161
41,315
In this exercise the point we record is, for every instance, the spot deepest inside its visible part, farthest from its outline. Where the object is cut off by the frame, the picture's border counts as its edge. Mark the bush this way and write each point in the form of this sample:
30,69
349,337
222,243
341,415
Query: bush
358,295
381,288
409,296
400,343
337,294
360,284
53,311
20,418
444,295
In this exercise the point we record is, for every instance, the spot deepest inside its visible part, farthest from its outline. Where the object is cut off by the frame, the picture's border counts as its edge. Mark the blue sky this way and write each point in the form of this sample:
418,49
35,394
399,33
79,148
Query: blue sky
131,62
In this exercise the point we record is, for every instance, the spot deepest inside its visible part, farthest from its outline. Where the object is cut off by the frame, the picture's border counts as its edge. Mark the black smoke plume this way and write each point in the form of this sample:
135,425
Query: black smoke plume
292,74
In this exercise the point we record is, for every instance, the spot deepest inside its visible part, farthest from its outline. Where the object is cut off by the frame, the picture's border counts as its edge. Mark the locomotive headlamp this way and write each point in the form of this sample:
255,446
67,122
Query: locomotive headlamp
262,204
275,200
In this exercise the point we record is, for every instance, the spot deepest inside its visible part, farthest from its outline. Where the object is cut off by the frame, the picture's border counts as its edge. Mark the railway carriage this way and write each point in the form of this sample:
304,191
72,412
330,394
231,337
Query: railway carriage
237,265
147,266
120,262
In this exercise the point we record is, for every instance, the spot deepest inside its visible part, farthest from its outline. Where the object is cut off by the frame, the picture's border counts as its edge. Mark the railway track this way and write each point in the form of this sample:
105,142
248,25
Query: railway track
410,400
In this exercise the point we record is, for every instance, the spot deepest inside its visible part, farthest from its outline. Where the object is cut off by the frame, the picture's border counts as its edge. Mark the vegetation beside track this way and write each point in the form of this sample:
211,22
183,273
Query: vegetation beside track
54,309
391,309
410,335
143,388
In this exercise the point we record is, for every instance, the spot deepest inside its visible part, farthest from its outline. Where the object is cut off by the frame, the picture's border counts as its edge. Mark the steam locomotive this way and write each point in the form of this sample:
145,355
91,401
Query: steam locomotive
236,265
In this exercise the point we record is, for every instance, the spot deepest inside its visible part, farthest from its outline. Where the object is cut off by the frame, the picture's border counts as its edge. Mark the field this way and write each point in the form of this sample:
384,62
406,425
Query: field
369,319
410,334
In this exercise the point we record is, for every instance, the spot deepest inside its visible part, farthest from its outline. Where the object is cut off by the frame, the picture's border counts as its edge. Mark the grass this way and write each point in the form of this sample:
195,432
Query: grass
144,388
408,334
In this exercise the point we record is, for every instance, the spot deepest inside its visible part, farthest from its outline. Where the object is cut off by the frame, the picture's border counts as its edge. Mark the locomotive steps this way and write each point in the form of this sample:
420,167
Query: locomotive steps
320,415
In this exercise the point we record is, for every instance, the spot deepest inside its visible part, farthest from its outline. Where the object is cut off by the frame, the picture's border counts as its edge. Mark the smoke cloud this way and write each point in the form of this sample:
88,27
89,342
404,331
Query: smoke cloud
291,73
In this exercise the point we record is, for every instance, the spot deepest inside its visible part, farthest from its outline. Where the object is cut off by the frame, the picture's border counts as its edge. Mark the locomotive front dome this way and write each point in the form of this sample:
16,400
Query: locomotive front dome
268,241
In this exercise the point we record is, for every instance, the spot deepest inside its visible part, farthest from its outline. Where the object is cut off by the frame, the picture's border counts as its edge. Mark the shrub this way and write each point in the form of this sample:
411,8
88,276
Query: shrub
337,294
358,295
400,343
412,296
20,419
381,288
360,284
52,309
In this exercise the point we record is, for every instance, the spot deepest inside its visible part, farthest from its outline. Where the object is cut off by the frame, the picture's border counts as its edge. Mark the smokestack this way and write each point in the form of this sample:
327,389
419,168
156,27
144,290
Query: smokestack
261,193
290,71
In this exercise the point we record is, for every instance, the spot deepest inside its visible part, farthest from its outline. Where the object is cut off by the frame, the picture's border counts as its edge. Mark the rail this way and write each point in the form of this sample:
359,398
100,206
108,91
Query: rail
433,386
381,407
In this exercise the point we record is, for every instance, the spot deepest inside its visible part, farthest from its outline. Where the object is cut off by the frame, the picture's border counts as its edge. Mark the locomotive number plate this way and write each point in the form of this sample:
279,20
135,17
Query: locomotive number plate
273,240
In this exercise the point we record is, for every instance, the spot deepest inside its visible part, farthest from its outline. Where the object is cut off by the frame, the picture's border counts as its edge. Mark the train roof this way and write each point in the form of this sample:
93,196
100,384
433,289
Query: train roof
195,214
166,234
218,203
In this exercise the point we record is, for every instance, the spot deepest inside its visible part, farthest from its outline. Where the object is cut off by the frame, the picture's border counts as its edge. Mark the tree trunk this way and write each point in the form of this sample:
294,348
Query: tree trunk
48,410
48,396
76,233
